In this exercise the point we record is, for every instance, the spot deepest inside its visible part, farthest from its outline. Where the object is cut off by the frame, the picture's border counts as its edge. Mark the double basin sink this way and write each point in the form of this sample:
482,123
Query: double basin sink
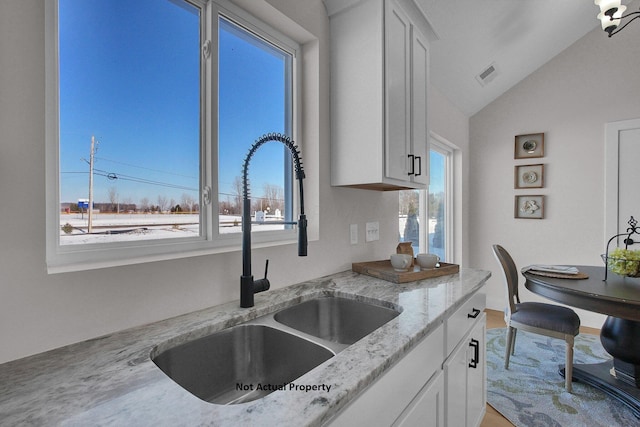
249,361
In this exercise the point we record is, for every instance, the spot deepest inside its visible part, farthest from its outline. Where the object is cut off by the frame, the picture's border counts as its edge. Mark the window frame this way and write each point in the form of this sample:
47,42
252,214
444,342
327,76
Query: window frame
279,41
64,258
447,149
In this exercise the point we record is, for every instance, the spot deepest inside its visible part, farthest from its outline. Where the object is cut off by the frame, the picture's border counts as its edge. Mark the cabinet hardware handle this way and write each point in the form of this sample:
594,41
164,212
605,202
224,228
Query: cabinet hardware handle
419,165
413,166
474,315
476,353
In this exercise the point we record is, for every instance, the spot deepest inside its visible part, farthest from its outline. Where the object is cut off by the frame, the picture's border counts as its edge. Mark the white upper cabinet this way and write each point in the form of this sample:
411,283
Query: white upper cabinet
379,83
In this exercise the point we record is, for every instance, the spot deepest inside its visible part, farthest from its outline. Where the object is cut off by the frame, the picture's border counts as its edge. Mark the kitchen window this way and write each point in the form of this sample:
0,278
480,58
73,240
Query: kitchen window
151,107
433,207
255,90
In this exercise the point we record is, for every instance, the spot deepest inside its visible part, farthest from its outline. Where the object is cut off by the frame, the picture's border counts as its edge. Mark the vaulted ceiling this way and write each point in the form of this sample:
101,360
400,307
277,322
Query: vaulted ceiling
515,37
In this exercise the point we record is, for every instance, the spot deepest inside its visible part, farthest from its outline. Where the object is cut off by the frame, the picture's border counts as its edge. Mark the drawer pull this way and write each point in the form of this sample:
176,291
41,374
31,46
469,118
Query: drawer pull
476,353
475,314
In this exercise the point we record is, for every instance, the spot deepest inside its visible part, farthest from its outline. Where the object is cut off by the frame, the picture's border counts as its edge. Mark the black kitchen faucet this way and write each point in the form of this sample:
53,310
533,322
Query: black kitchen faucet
248,286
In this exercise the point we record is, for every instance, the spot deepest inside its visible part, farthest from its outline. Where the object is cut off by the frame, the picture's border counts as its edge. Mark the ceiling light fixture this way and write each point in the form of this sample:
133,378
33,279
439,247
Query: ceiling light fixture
611,13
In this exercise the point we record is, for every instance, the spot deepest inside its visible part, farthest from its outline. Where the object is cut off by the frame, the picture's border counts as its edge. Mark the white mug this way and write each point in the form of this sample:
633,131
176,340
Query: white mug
400,262
426,261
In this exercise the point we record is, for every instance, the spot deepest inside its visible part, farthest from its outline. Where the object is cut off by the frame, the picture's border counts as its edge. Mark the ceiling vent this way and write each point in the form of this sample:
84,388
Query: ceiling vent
487,75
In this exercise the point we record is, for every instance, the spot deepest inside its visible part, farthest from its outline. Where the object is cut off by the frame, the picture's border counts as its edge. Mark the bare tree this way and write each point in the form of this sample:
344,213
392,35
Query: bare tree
144,204
127,204
188,202
226,207
273,196
237,188
162,203
409,201
113,199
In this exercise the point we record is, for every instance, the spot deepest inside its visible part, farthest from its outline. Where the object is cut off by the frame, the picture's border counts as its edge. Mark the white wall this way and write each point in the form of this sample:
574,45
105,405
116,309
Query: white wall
570,99
40,311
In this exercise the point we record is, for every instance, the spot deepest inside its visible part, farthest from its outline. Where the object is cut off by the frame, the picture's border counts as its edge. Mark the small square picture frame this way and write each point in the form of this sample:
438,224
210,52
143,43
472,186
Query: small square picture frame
529,207
528,176
529,146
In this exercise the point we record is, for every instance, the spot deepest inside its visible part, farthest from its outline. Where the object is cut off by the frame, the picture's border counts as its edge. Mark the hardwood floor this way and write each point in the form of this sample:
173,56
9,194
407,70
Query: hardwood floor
493,418
495,319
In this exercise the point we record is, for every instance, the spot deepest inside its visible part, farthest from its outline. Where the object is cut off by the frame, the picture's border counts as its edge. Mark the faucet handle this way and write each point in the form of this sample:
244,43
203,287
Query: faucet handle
302,235
263,284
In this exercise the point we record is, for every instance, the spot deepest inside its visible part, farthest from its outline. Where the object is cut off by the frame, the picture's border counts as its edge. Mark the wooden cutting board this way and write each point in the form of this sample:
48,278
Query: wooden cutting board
385,271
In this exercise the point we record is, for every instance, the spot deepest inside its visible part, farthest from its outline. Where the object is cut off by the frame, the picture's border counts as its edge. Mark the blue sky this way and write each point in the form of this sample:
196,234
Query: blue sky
129,75
251,104
436,172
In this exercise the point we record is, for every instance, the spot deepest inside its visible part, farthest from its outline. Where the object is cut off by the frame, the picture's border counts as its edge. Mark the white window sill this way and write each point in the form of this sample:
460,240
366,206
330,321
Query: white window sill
64,261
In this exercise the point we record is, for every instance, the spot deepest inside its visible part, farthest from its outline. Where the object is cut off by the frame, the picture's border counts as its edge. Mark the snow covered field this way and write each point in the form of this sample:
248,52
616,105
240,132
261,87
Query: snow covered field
131,227
127,227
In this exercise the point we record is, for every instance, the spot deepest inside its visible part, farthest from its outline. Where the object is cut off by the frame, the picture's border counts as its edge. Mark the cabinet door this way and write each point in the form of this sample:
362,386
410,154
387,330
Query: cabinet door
397,92
419,129
465,378
455,370
427,409
384,401
477,377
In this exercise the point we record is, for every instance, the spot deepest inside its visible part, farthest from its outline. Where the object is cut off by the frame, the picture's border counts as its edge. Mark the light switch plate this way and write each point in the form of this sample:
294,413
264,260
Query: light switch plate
353,233
373,231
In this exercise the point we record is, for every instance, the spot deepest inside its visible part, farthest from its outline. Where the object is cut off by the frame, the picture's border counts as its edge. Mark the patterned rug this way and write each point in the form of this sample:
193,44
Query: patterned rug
531,392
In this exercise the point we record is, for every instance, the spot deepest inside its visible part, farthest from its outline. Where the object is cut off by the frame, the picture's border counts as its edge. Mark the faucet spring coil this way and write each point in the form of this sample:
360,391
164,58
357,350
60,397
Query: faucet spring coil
295,153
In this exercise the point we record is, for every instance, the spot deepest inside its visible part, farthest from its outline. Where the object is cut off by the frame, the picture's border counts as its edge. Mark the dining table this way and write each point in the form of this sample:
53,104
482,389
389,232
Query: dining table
618,297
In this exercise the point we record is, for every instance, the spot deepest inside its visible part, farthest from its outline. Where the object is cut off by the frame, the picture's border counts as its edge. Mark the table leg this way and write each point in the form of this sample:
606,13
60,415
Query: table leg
621,378
620,338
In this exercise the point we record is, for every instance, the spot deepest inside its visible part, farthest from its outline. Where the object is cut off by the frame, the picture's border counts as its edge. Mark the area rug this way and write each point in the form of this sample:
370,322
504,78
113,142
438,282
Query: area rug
531,392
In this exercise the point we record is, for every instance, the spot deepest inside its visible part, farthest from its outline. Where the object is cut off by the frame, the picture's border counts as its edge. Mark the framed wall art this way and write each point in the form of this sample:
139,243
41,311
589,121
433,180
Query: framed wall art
529,207
529,176
529,146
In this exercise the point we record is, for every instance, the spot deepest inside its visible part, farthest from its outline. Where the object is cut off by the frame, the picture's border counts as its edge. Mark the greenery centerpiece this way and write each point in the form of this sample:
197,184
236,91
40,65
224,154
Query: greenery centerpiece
624,261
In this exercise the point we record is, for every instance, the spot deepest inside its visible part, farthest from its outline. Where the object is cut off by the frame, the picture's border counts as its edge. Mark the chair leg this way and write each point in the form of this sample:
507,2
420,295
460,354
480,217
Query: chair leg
513,341
509,345
568,365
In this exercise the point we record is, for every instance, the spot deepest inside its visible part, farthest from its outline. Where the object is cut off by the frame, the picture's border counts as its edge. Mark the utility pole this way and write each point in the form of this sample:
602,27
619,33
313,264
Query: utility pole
90,208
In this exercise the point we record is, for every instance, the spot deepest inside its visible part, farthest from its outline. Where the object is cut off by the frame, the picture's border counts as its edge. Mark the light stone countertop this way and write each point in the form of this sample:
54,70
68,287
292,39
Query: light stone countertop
111,380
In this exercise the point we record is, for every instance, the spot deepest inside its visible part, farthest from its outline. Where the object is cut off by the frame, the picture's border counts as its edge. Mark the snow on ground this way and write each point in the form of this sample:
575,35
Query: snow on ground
132,227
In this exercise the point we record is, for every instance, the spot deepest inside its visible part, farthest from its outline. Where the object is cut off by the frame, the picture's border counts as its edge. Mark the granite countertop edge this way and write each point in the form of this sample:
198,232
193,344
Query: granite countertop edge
111,380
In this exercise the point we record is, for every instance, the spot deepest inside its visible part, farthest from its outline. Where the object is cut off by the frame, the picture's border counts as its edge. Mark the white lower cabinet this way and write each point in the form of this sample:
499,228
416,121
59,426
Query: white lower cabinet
412,388
465,379
427,409
441,382
477,378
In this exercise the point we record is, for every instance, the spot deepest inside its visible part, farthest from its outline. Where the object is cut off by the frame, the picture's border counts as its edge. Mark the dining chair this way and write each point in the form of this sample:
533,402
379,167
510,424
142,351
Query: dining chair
544,319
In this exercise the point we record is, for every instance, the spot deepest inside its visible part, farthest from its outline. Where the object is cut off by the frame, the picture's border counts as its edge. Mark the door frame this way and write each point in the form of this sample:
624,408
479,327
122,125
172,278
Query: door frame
611,172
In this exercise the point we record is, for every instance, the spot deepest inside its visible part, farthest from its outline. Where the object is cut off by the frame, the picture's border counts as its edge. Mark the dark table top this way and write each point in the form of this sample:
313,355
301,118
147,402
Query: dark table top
618,297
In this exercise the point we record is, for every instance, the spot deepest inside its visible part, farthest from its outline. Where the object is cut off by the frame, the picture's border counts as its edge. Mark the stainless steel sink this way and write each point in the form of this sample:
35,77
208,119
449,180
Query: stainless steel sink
251,360
336,319
240,364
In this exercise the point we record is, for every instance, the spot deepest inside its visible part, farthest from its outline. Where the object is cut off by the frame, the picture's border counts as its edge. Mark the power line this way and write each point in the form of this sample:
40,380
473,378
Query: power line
113,176
143,167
